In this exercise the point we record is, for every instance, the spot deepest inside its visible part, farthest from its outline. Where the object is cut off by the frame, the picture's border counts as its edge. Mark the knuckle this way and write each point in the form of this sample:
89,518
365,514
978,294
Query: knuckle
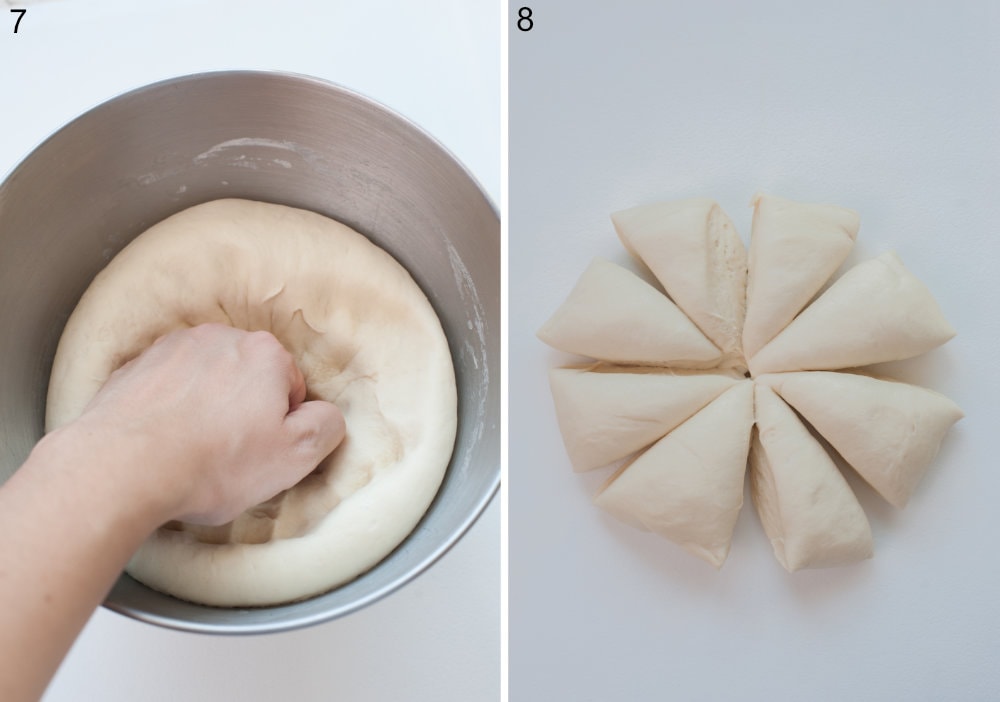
261,342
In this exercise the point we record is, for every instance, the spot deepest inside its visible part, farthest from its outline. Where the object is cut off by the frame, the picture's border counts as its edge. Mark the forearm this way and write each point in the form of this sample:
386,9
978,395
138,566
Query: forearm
71,517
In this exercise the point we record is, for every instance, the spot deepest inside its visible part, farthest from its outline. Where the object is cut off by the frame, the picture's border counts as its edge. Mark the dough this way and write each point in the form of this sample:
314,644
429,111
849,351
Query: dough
693,250
615,315
685,480
807,508
888,431
605,416
364,336
878,311
688,486
794,249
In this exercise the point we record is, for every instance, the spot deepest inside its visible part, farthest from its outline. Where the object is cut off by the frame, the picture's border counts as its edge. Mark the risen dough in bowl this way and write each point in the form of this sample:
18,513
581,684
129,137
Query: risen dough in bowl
364,336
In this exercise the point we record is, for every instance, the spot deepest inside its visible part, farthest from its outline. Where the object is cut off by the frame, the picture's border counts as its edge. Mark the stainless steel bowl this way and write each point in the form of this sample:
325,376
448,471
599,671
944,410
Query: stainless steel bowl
82,195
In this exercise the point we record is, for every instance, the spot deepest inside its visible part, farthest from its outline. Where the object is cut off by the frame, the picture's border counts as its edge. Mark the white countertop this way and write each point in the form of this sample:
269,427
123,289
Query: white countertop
890,108
437,63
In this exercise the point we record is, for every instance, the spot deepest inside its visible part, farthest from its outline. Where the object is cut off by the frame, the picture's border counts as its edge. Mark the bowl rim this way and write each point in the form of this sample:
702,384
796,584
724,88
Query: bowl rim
251,72
454,535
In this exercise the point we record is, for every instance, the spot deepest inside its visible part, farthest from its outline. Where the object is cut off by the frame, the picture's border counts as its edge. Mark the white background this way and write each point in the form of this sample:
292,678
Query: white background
890,108
438,63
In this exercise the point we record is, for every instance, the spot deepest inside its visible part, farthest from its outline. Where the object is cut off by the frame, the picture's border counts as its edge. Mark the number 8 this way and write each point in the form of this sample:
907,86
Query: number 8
524,22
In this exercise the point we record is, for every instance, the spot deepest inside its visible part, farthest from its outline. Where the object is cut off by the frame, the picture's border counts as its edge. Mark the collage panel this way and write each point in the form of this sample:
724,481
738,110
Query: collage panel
749,249
250,368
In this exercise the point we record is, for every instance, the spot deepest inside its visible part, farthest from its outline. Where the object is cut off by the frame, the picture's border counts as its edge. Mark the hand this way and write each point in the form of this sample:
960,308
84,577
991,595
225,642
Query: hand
218,418
204,424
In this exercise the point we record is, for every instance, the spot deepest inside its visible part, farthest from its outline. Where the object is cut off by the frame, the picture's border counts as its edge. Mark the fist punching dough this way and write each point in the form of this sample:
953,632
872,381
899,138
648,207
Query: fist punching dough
365,338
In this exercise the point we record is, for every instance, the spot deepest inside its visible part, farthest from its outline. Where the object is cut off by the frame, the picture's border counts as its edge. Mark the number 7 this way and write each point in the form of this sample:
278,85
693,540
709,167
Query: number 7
18,22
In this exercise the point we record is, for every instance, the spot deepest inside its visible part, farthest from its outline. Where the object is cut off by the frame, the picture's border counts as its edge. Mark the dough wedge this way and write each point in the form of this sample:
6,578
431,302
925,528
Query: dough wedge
806,506
794,249
605,416
693,249
613,315
888,431
878,311
688,486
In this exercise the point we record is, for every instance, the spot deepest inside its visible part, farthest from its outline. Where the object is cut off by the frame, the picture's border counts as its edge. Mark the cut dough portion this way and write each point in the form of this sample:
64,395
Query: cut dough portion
807,508
688,486
878,311
607,416
888,431
693,249
613,315
794,249
364,336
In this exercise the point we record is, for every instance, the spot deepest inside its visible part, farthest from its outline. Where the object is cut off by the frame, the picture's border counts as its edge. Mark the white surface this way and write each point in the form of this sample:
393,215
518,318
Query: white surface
437,63
888,108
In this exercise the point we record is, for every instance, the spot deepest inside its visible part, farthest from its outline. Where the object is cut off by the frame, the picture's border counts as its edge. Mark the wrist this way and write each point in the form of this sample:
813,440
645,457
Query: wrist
115,472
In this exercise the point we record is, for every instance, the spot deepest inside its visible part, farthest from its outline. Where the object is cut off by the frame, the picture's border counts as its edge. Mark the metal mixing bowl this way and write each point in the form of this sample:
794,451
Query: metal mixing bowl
82,195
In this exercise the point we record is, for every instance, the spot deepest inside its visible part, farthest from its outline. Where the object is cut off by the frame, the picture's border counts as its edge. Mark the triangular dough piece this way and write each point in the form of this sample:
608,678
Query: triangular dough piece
607,416
613,315
794,249
888,431
688,486
806,506
693,249
878,311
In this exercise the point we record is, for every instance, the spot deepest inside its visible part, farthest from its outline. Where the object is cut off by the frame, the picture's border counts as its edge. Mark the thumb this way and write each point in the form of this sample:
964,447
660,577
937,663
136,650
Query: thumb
316,428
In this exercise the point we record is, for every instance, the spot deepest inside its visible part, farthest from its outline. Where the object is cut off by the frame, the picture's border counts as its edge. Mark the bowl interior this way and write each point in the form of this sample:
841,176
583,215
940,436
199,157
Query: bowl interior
82,195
